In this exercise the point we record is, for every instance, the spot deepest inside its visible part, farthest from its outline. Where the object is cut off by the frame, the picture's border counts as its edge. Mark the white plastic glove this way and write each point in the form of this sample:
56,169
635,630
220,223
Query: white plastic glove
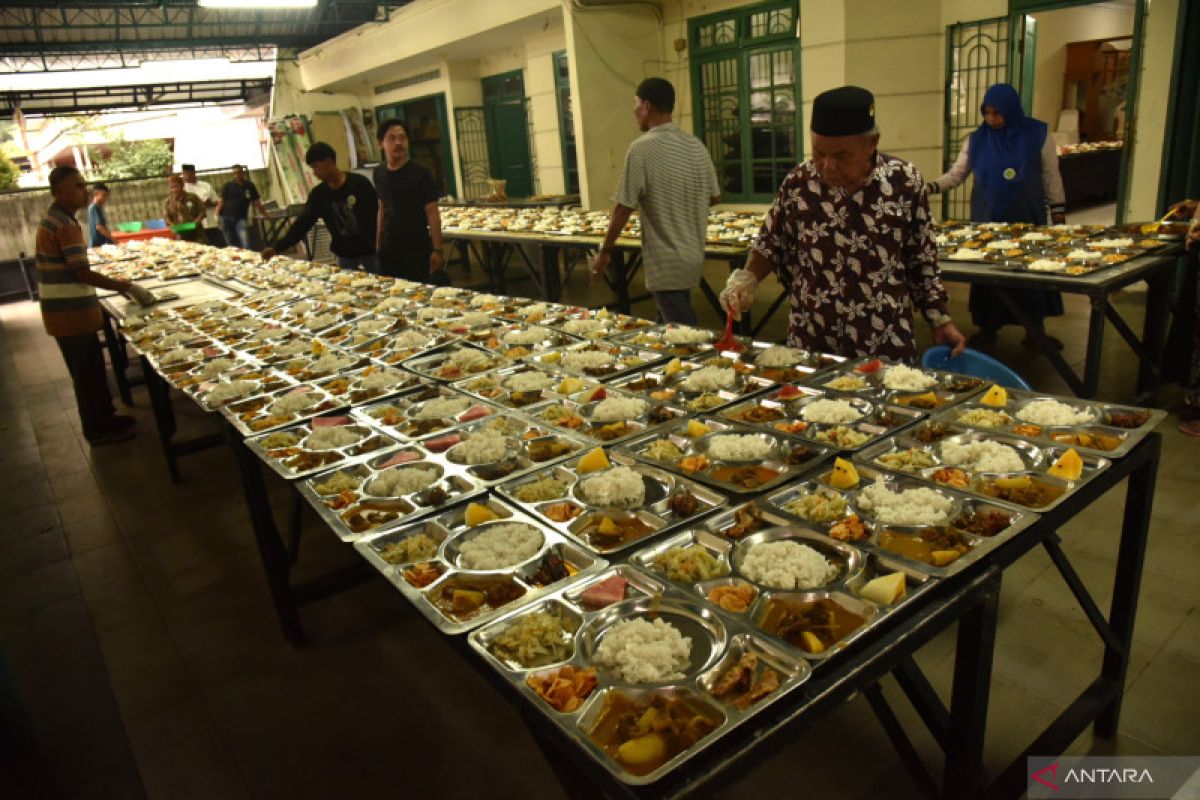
738,294
143,297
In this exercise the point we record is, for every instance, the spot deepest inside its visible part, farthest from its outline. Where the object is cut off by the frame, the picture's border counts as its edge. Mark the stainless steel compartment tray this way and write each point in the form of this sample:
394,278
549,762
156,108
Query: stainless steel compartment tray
785,449
448,530
865,377
295,459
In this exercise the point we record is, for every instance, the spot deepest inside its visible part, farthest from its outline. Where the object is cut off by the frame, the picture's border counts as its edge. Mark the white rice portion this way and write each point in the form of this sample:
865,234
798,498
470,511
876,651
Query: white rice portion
445,291
218,365
233,390
1052,412
919,506
467,358
442,407
787,565
1047,265
1084,255
779,356
317,321
411,340
708,379
331,362
620,487
733,447
685,334
583,326
293,348
528,381
179,355
476,318
487,447
372,326
434,312
295,403
982,456
534,309
967,254
527,336
500,546
395,481
834,412
639,651
586,359
329,438
481,300
381,379
907,379
618,408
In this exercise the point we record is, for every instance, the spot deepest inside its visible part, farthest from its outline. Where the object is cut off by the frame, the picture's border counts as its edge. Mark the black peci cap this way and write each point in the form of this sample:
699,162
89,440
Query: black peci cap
187,167
845,111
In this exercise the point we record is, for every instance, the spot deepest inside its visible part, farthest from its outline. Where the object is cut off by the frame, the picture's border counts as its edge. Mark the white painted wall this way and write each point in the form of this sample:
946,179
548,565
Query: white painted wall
1057,29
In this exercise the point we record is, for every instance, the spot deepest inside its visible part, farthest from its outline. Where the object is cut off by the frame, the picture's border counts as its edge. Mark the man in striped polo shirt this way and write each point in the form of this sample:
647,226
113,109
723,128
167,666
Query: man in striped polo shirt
669,177
71,311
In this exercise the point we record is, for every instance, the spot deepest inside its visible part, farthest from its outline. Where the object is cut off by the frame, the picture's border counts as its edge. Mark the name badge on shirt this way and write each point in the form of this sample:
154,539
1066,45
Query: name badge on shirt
351,200
1009,174
247,194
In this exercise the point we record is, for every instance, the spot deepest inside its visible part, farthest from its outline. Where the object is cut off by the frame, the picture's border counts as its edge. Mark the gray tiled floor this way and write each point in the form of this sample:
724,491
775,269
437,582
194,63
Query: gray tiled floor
131,600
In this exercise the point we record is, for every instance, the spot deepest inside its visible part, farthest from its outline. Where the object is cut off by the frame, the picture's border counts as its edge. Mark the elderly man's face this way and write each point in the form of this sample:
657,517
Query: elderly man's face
844,162
189,175
395,143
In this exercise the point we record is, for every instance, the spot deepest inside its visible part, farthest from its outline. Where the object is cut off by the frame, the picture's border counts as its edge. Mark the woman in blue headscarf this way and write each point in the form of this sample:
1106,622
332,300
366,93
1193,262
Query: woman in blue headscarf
1015,163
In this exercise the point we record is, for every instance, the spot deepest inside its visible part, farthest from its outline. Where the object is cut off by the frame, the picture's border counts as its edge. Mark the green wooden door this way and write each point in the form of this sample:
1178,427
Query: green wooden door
507,125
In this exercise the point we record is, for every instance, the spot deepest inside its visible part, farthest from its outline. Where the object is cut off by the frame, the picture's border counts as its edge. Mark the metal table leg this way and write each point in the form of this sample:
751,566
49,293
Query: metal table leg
619,280
270,547
969,697
552,287
1154,334
164,416
1095,341
118,361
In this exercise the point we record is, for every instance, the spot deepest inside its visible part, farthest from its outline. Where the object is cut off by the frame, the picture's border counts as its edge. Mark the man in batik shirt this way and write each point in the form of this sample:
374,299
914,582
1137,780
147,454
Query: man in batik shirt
849,235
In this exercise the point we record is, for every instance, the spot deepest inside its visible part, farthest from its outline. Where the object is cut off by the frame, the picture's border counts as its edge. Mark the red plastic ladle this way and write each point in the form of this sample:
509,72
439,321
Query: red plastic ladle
727,342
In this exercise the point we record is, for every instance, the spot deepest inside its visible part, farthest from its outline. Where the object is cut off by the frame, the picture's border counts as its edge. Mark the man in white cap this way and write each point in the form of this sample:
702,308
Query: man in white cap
849,234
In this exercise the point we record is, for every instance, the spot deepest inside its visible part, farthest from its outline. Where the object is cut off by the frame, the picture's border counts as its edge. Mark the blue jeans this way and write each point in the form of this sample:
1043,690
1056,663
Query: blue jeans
235,232
365,263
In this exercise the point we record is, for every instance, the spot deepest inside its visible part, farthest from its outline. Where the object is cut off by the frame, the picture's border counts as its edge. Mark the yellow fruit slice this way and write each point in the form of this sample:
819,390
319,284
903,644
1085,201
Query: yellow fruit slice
943,557
844,475
478,514
646,749
995,396
551,357
602,314
1069,466
593,461
674,367
811,642
697,429
886,589
1018,482
570,385
608,527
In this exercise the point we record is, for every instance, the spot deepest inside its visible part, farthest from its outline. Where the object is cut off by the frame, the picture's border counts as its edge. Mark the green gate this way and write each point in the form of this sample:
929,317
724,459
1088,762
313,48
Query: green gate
472,151
507,123
977,56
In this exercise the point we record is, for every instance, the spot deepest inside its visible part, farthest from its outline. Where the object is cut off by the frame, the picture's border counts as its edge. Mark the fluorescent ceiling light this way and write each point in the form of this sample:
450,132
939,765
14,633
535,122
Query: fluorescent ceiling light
257,3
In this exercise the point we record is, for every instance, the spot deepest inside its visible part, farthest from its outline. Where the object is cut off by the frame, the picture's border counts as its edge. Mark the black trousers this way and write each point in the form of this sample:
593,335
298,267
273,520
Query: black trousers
411,265
85,362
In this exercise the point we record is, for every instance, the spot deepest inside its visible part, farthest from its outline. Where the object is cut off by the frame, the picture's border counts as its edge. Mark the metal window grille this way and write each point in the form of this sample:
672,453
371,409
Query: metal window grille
977,56
472,151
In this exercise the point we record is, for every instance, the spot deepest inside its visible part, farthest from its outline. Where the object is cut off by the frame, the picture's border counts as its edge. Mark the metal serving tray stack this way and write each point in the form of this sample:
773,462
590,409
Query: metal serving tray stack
782,413
964,509
788,458
1112,431
449,531
652,518
896,454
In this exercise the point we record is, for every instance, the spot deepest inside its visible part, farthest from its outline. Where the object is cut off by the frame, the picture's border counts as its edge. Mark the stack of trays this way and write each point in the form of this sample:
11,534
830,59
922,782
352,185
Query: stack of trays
938,532
762,459
316,445
874,379
841,423
461,576
563,496
1024,482
1091,427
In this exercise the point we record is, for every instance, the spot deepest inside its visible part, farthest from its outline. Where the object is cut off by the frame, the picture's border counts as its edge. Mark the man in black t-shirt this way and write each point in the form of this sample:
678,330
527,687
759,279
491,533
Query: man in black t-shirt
409,238
348,205
234,207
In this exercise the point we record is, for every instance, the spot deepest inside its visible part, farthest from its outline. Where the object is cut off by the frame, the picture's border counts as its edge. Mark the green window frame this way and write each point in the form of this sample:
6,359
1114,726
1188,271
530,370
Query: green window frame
566,123
746,96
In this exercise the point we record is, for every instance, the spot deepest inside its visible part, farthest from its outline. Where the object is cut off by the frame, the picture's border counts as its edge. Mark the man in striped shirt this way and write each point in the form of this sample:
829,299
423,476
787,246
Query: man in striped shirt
71,311
669,177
